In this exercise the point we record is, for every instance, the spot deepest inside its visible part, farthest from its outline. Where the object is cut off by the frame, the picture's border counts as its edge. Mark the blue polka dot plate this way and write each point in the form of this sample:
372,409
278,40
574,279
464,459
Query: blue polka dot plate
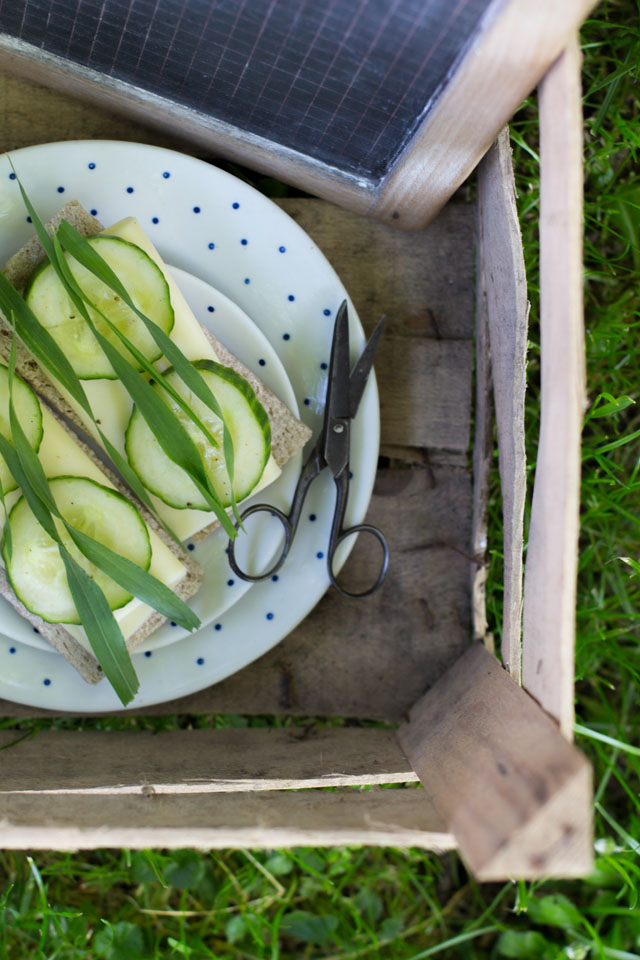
264,288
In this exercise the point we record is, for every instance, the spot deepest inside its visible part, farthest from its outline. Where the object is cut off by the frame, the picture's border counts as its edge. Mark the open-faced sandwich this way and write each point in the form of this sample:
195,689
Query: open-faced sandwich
104,337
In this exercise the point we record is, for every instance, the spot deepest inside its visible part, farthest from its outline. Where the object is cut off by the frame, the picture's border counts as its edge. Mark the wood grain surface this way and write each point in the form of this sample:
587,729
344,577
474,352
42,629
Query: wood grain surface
552,554
505,302
265,820
199,761
515,793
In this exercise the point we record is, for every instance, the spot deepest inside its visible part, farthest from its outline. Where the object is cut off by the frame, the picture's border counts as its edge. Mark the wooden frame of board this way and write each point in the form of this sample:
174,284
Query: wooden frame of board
509,55
492,746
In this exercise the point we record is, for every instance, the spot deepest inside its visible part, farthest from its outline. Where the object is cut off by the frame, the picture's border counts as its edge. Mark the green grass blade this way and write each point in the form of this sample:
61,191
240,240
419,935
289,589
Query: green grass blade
40,342
39,226
100,626
33,472
135,579
131,577
84,253
86,598
102,629
154,374
620,442
169,432
604,738
39,510
171,435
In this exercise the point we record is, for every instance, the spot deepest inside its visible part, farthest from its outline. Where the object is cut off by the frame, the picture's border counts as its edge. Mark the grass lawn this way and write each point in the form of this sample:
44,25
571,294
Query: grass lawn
391,903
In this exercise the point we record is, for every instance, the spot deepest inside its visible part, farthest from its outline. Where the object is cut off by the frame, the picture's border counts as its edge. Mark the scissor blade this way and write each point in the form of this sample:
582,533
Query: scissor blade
362,369
338,384
336,428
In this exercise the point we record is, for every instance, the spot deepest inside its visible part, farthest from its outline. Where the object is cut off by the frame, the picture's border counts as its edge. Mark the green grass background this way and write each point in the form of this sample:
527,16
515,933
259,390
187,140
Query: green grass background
407,904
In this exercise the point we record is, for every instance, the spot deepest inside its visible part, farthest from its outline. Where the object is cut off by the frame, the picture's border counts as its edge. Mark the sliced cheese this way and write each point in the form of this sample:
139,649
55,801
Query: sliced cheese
112,404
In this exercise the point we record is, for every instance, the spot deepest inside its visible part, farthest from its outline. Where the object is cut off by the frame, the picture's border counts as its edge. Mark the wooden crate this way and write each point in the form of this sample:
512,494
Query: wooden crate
501,780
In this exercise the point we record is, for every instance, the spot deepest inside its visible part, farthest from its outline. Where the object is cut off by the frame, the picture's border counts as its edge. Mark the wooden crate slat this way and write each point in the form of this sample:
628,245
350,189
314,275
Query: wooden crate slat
505,300
552,553
267,820
198,761
416,376
40,114
423,281
483,443
514,792
424,285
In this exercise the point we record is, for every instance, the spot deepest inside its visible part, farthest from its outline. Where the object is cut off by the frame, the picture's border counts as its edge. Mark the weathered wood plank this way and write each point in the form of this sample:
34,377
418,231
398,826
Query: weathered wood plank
514,793
266,820
425,392
422,281
34,113
505,295
552,553
482,457
199,761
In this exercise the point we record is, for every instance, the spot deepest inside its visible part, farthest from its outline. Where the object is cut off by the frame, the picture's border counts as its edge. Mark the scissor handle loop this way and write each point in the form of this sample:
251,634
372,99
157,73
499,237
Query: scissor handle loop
282,556
360,528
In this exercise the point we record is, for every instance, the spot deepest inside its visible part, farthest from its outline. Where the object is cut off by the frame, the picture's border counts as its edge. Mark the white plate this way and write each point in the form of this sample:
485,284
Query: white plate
224,232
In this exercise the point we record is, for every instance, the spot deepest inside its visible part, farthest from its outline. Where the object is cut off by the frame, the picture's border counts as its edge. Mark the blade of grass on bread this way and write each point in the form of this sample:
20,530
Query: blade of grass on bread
167,429
100,625
82,251
29,475
102,629
189,458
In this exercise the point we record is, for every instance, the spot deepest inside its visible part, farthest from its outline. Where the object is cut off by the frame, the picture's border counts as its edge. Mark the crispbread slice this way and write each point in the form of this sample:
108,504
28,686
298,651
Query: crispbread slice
21,265
56,634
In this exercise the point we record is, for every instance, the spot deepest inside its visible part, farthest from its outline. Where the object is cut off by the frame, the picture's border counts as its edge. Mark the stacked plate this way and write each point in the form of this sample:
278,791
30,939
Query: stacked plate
259,283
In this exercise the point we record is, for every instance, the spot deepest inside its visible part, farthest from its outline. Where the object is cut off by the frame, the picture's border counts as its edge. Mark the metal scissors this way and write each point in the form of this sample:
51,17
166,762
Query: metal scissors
344,392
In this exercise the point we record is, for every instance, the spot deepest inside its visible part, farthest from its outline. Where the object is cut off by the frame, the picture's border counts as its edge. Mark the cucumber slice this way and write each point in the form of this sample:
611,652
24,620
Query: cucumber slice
36,570
145,284
27,407
248,425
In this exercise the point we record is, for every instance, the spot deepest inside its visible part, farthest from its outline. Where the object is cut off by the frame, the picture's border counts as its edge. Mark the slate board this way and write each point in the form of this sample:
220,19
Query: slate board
345,83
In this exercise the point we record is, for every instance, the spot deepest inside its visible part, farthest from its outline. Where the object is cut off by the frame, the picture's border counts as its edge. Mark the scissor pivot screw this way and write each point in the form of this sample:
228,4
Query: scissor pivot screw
338,428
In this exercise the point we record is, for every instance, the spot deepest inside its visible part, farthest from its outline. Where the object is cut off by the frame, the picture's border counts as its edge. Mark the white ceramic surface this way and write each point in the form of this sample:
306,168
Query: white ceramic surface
222,231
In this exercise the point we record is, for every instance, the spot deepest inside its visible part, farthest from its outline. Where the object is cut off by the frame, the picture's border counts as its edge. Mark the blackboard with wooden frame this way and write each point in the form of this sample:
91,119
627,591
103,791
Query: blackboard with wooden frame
491,746
384,108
